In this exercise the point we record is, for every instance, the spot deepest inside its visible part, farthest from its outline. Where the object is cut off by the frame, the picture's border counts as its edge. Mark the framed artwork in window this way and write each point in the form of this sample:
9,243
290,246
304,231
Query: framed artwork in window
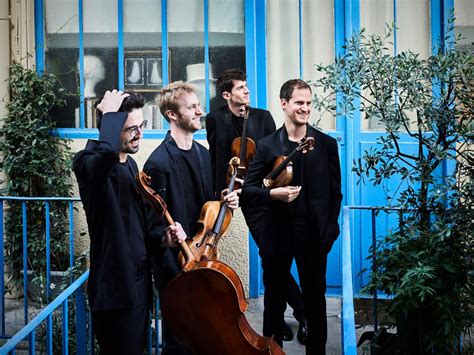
143,70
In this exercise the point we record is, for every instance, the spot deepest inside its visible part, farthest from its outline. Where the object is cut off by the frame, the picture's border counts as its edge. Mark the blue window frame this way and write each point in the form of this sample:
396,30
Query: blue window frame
190,43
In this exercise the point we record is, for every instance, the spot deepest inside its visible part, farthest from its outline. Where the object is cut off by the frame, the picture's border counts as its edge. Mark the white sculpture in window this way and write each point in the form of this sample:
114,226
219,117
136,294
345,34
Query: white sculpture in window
94,72
196,75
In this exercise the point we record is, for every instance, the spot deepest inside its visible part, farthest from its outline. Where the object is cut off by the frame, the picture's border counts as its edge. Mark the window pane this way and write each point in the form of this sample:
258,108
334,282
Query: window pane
186,41
226,42
414,33
100,52
62,54
142,54
318,48
374,16
464,23
282,50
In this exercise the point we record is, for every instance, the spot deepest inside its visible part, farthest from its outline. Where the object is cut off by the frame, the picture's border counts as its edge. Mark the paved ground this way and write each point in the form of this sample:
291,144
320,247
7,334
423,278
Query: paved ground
333,347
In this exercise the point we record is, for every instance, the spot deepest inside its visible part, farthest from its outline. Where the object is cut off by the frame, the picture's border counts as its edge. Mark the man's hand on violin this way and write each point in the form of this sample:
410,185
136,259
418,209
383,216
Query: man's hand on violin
112,101
285,193
241,182
174,235
230,199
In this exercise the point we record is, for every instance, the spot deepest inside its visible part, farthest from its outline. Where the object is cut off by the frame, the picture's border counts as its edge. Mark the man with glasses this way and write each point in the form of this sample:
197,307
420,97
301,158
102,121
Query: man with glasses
119,286
180,171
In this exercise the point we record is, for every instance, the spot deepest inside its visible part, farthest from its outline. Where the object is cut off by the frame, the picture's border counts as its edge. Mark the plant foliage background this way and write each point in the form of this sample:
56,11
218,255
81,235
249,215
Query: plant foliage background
425,263
36,163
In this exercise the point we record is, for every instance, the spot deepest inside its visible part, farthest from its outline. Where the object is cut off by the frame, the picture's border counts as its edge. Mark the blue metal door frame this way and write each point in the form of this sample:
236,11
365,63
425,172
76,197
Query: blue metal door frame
352,140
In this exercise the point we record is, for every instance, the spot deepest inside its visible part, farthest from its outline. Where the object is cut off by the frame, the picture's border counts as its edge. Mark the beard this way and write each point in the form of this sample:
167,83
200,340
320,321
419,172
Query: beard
188,126
126,148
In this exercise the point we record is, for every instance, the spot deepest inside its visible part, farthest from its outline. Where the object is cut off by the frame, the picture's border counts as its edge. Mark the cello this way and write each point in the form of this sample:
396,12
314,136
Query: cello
214,221
282,171
244,148
204,304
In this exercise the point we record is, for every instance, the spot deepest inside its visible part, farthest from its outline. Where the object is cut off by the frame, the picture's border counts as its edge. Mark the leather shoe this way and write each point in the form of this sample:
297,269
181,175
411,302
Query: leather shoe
287,332
302,334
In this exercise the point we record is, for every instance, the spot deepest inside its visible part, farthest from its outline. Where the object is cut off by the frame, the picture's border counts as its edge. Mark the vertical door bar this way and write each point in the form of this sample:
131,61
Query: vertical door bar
120,59
81,65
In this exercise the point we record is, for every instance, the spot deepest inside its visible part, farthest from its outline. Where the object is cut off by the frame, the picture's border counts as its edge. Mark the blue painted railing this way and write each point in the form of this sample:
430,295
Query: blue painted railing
30,326
349,343
83,324
46,314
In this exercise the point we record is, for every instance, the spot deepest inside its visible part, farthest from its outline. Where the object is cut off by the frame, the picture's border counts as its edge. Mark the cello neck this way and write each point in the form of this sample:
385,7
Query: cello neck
223,208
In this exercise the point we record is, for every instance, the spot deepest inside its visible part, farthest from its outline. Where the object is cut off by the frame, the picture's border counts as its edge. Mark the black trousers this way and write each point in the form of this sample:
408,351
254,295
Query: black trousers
165,268
294,298
123,331
306,248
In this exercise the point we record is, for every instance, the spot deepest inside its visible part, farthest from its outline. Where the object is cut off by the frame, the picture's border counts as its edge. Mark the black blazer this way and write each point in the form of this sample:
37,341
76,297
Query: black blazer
112,275
167,181
219,130
323,176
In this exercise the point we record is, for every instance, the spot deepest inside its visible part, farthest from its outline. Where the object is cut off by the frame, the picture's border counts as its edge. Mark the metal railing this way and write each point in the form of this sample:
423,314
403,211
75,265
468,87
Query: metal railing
349,342
84,342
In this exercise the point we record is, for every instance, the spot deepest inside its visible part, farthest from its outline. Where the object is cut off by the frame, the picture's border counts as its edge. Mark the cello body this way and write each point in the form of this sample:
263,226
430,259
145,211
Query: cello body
204,244
204,304
204,307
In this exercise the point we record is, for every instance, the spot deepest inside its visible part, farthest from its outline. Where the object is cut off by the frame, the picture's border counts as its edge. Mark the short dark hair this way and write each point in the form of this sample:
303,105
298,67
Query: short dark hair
225,80
135,100
288,87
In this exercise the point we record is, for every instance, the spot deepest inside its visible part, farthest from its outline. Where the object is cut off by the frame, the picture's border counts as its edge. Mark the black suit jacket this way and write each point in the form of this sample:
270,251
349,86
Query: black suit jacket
323,176
113,271
167,181
219,130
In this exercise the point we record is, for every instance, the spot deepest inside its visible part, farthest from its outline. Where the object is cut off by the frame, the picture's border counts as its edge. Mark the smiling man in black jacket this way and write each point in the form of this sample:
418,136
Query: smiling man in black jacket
300,220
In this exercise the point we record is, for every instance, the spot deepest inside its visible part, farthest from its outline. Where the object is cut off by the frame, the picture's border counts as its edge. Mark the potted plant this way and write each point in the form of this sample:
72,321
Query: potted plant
36,162
425,264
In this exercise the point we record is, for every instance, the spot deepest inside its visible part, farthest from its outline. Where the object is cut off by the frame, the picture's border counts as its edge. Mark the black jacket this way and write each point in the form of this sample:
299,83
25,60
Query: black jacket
219,135
113,269
323,176
167,181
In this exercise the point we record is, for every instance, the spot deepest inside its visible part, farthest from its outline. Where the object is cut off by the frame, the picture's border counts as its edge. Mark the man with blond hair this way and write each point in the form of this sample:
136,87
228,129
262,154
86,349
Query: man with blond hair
180,171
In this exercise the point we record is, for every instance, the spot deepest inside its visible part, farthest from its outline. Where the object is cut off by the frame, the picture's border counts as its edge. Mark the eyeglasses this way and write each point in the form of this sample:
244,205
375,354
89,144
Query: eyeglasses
133,131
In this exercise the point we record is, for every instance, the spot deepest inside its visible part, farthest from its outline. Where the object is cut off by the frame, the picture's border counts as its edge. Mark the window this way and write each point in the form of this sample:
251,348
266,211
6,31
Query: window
102,45
296,43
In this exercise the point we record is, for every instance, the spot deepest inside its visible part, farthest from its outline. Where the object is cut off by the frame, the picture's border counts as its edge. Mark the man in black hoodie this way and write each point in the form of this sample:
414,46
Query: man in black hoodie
119,286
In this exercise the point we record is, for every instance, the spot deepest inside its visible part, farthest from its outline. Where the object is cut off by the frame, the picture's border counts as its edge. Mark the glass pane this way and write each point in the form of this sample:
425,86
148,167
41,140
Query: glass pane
100,53
318,48
226,43
142,54
186,41
62,54
464,23
374,16
414,33
282,50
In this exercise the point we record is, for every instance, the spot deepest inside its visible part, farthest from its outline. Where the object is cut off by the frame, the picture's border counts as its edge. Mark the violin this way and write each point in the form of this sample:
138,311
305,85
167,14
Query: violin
244,148
159,206
282,172
214,221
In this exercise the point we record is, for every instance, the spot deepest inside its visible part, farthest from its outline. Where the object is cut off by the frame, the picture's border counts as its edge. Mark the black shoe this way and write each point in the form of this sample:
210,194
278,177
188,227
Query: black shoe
287,332
302,334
